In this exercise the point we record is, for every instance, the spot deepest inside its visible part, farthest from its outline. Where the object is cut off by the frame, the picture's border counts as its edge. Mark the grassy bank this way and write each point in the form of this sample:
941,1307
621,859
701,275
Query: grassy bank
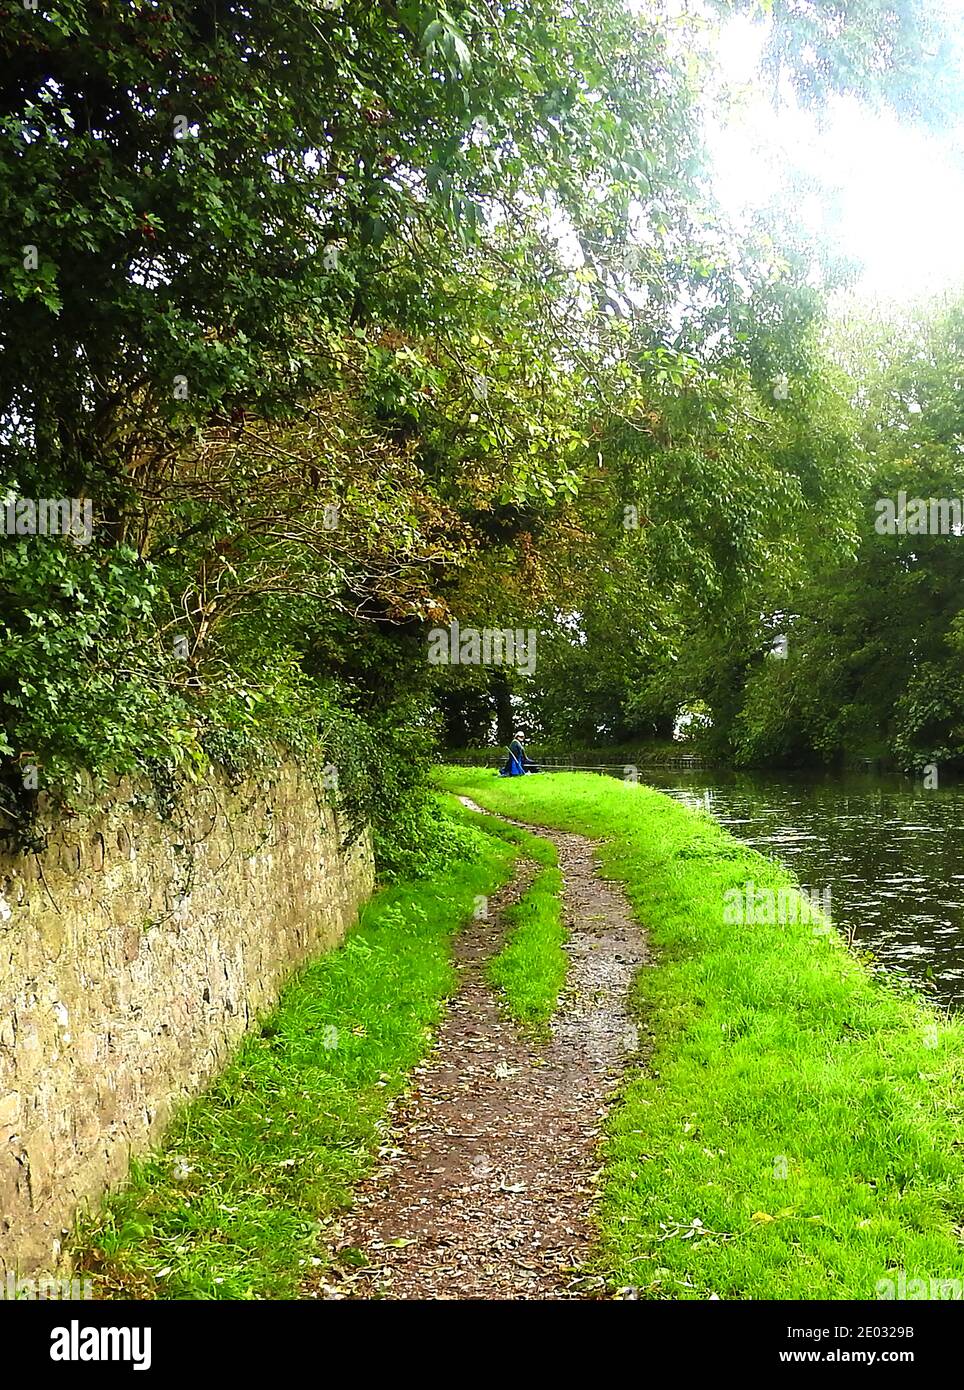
797,1130
232,1205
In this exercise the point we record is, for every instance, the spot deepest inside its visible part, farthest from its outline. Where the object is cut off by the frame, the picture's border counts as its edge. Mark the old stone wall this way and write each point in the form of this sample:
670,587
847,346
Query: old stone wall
134,952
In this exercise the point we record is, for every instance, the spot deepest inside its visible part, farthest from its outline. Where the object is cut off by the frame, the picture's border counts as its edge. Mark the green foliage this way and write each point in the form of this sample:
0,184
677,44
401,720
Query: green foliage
338,347
421,838
249,278
874,660
78,685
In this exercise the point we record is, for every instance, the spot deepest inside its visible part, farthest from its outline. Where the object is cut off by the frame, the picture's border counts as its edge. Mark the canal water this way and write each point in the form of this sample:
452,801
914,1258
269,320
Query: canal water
891,853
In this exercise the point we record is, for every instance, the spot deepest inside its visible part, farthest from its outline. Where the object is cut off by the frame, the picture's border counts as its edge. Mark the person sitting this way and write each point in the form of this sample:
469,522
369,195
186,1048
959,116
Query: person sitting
518,763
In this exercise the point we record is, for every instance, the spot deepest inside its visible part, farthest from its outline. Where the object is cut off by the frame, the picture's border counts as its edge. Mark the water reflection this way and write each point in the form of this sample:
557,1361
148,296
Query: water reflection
891,852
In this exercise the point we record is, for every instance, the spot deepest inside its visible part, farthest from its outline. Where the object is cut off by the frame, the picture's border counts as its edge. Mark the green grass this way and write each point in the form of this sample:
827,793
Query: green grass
530,970
796,1132
232,1205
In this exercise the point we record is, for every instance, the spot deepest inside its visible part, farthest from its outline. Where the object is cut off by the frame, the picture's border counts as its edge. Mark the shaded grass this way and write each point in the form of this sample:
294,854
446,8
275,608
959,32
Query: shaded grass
797,1130
233,1203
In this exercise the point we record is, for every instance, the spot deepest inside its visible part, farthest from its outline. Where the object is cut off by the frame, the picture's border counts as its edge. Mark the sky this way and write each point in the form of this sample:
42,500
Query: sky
895,199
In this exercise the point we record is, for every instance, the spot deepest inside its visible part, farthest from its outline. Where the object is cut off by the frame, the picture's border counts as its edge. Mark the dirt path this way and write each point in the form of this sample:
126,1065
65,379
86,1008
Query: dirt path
489,1173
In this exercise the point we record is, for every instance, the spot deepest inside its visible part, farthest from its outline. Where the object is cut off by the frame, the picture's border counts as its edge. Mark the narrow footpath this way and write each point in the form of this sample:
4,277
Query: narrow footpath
487,1179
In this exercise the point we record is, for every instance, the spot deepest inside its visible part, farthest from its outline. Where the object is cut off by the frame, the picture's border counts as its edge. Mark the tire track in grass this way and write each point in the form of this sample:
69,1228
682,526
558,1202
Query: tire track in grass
488,1178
